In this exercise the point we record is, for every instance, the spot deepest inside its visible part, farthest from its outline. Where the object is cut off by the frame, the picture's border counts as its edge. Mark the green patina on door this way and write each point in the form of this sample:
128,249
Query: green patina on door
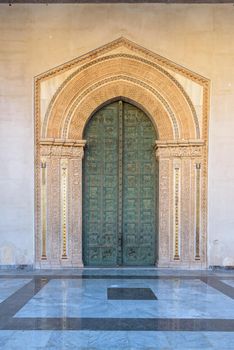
119,188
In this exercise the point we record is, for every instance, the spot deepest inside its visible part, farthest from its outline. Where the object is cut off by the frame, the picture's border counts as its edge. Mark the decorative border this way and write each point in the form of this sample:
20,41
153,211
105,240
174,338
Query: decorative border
44,207
198,210
122,41
177,203
64,185
124,78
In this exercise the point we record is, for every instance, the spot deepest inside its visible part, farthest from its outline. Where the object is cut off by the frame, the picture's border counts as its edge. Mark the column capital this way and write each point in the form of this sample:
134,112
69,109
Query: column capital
62,148
179,148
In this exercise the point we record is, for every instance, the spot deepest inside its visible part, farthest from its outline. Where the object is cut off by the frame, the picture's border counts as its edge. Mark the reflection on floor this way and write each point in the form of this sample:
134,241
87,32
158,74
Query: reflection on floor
117,309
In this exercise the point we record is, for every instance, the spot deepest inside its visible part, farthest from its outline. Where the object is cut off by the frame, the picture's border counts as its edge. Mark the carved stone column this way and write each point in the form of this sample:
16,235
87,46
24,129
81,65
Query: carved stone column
180,211
59,229
75,205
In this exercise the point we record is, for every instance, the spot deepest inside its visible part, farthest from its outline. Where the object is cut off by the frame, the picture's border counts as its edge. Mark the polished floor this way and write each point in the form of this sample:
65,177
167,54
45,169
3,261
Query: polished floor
117,309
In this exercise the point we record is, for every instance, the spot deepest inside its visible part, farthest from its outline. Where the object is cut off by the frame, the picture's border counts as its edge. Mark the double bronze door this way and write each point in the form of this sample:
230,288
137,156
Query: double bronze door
119,188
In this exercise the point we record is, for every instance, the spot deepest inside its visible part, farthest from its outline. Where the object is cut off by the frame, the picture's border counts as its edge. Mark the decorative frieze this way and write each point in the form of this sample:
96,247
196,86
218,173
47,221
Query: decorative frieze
62,148
170,149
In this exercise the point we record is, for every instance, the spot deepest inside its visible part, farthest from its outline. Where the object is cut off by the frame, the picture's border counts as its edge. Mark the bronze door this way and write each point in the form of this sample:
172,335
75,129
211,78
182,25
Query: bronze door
119,188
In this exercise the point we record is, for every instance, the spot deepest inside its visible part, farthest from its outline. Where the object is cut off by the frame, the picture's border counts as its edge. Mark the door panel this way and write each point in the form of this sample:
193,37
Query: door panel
119,188
100,188
138,189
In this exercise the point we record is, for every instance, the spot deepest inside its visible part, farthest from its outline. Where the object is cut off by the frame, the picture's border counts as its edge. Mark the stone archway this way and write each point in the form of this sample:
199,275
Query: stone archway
67,96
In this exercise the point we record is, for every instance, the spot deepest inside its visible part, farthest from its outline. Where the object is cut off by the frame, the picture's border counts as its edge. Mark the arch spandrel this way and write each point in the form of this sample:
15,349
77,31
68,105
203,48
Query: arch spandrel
132,68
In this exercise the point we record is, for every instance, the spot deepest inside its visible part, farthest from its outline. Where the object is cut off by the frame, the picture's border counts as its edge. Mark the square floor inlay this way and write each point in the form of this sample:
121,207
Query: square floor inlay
130,294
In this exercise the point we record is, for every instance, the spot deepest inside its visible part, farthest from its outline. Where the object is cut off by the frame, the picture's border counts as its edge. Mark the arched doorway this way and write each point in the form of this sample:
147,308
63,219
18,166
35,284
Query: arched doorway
177,101
119,188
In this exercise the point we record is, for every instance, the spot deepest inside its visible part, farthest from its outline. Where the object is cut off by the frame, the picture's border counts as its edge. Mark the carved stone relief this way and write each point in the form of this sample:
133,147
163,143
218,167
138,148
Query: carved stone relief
179,227
60,243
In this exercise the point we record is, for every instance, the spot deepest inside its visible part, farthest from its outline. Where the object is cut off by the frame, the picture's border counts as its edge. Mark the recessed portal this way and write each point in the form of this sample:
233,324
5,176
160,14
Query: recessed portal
119,188
132,213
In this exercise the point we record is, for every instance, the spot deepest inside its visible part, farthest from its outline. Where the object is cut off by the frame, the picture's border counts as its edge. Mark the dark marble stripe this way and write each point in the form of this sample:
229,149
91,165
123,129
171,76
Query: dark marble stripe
219,285
141,277
10,306
120,324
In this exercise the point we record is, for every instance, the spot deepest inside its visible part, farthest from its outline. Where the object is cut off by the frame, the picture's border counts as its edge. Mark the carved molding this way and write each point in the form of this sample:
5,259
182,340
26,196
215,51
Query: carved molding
62,148
137,49
131,92
179,148
118,79
182,114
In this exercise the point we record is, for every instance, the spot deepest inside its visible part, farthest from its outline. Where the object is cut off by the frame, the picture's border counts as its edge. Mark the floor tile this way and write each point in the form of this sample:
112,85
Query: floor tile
188,340
27,340
229,282
69,339
148,340
5,336
72,306
72,298
108,340
8,286
221,340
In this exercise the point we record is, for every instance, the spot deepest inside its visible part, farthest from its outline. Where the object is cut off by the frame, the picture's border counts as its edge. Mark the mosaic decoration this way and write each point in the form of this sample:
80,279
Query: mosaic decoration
198,208
43,207
176,214
64,184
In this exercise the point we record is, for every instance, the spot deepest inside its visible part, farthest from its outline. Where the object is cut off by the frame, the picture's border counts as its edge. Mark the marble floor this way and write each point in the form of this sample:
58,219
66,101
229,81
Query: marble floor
117,309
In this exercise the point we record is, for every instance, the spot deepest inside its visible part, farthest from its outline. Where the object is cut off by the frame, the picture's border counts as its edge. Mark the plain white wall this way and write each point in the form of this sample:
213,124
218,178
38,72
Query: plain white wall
35,38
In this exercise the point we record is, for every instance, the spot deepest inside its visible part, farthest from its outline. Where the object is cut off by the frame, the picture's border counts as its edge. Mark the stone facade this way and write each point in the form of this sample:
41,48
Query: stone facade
36,38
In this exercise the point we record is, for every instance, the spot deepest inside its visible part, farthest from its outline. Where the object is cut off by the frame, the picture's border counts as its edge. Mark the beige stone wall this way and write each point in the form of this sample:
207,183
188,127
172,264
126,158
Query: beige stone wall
35,38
